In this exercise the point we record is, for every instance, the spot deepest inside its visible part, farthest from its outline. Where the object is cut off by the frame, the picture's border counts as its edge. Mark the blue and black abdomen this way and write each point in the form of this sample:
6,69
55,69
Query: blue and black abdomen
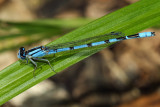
139,35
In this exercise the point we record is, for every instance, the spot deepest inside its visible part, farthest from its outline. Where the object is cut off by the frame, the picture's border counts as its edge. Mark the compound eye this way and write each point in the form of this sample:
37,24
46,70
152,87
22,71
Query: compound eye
22,52
22,49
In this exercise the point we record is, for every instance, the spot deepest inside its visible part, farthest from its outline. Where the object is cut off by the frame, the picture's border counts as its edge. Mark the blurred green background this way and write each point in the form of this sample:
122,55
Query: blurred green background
126,74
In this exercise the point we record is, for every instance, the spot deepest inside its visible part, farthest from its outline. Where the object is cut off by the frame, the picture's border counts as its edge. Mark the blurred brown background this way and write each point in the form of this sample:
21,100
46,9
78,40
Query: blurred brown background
126,74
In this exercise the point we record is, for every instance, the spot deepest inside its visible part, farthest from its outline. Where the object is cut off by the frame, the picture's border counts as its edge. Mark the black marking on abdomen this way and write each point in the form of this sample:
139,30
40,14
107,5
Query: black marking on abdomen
55,50
135,35
107,41
121,38
71,48
89,44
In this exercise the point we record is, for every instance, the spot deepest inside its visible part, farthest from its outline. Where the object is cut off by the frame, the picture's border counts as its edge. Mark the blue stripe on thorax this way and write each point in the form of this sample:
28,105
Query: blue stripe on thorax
34,51
39,53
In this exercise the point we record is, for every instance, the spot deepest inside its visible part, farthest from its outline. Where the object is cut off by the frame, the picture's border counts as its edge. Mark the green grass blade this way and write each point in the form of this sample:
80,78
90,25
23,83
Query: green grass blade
35,31
17,78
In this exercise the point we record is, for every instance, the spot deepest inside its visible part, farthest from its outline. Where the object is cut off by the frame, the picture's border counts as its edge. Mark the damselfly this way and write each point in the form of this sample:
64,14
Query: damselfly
36,53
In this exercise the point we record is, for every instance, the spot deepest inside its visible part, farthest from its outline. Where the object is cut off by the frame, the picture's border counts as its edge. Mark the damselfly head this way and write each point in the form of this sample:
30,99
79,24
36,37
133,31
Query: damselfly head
21,53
